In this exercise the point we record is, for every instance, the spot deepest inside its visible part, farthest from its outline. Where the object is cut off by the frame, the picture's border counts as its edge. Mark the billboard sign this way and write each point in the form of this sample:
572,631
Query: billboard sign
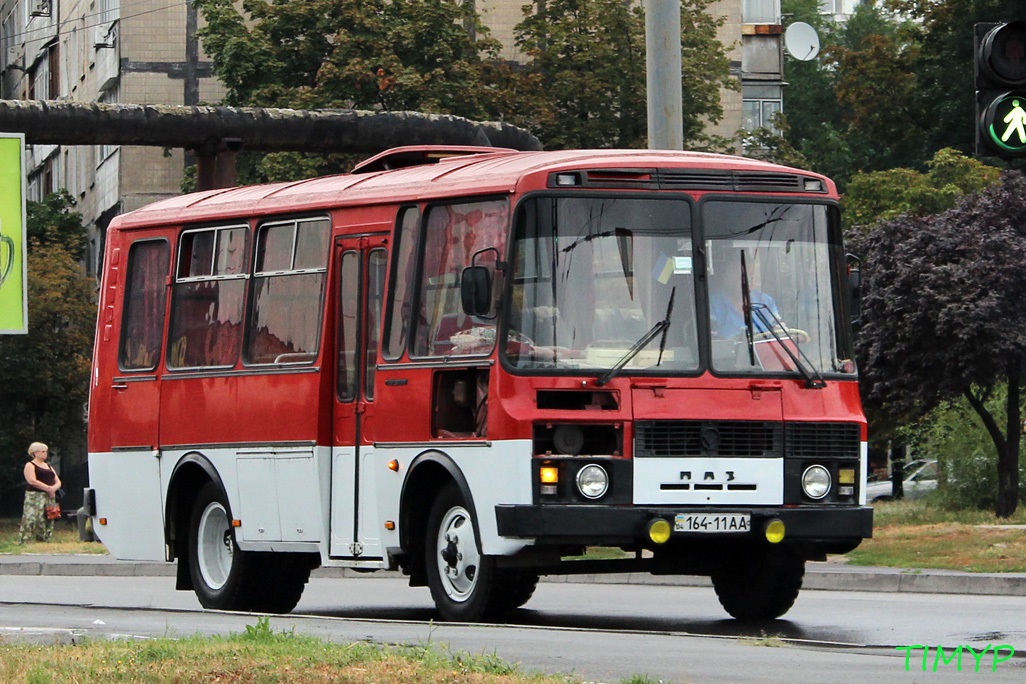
13,272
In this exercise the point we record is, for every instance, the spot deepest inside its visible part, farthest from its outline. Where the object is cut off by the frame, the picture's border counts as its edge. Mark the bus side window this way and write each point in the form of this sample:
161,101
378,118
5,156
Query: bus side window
454,234
376,264
288,290
207,300
400,294
142,324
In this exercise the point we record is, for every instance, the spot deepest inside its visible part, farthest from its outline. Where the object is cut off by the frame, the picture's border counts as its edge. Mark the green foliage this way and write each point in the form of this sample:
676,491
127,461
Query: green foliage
583,85
261,631
46,373
53,222
429,56
585,81
885,195
954,435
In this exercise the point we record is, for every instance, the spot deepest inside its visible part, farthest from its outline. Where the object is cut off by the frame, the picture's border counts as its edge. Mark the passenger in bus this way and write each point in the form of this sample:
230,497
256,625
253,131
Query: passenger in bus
41,487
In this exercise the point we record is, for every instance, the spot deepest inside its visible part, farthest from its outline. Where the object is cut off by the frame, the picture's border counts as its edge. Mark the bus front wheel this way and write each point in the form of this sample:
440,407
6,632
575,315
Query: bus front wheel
759,586
461,578
221,572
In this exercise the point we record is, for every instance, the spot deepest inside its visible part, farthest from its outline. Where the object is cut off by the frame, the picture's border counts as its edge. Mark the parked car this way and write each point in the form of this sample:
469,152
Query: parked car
920,478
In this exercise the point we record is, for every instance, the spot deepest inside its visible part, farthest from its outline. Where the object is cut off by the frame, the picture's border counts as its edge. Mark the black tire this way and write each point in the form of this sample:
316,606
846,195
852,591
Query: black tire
463,581
516,587
223,576
282,577
760,586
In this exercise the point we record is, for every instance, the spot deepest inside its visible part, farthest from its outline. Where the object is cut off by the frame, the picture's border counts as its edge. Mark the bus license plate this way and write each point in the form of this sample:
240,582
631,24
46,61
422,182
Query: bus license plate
718,523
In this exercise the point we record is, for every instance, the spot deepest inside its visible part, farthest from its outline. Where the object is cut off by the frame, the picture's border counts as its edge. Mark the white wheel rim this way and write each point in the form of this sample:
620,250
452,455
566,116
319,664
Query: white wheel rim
214,546
458,559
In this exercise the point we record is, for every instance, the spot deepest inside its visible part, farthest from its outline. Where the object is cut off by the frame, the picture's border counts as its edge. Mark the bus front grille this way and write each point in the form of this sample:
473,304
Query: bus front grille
744,439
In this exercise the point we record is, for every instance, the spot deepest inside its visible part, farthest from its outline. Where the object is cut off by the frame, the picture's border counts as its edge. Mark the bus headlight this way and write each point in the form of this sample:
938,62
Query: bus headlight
592,481
816,482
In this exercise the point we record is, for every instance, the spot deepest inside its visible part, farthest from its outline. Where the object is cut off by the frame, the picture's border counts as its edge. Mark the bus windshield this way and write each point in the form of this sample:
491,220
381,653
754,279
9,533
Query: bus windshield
611,284
782,260
592,278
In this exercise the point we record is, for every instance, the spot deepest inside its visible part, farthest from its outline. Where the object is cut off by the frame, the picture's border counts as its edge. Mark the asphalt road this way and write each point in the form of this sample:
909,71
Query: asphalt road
596,631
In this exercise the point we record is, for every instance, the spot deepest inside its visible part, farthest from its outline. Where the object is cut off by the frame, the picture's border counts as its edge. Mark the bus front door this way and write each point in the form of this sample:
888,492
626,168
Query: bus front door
360,275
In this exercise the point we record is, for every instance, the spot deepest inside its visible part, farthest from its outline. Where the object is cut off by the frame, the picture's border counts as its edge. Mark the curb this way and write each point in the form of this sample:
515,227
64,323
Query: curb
818,576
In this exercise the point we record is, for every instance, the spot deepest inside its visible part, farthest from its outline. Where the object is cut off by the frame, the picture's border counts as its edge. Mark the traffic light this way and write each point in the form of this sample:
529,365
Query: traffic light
1001,89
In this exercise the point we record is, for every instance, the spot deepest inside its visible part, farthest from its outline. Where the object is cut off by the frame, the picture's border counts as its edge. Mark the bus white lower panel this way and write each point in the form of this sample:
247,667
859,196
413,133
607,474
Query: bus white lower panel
499,473
129,496
709,481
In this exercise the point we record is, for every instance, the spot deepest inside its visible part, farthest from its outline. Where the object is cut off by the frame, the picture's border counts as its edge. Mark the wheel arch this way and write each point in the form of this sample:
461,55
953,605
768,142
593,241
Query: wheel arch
429,472
190,473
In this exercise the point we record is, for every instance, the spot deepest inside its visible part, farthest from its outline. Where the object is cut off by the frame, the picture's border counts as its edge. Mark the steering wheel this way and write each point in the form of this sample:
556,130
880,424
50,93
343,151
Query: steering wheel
797,334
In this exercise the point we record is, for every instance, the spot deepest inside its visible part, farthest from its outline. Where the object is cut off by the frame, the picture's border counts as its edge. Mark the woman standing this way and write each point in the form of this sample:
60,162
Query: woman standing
43,484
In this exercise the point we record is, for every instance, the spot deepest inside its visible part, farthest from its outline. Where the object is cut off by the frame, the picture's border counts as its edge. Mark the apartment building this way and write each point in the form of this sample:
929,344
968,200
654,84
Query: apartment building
146,52
133,51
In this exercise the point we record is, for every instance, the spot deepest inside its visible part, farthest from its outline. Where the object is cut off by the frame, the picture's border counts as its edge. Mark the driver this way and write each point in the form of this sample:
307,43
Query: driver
726,302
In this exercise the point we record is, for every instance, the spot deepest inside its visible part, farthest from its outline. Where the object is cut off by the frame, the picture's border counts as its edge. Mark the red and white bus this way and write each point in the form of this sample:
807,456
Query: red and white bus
476,364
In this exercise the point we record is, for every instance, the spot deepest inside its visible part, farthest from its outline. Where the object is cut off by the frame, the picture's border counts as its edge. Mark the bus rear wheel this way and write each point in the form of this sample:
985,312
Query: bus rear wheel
760,586
223,576
462,580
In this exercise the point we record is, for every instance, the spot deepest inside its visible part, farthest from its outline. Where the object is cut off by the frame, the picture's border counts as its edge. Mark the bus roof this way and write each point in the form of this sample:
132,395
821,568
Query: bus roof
463,172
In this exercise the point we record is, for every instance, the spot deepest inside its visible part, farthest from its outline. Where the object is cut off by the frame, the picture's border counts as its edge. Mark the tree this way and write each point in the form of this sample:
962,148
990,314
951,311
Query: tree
46,373
585,78
885,195
942,315
430,56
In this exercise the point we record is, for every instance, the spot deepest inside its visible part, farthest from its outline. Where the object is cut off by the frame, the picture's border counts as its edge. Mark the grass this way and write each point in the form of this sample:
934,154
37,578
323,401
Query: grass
64,541
917,534
257,655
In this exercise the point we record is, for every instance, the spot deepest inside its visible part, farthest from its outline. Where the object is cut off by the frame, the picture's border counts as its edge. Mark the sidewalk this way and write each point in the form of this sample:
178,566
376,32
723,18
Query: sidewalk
824,576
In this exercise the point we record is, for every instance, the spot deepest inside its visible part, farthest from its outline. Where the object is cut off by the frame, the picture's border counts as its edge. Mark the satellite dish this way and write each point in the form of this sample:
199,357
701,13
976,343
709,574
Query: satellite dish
801,41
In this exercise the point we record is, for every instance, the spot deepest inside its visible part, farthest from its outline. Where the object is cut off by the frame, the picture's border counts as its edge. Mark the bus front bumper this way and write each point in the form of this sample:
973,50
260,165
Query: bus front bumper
604,525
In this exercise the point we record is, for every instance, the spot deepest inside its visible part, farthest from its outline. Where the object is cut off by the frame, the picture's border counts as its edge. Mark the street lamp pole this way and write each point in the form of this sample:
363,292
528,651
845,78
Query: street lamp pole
662,61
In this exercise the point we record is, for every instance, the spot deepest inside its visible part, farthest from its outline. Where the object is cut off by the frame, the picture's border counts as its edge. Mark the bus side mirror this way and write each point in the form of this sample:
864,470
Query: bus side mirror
854,287
476,290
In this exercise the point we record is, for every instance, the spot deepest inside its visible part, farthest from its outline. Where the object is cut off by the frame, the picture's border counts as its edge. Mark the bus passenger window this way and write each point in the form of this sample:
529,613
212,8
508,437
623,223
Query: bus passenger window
207,300
142,324
288,291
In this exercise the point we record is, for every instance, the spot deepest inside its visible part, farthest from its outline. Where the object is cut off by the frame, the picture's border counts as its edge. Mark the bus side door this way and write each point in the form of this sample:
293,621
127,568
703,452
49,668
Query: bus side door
360,264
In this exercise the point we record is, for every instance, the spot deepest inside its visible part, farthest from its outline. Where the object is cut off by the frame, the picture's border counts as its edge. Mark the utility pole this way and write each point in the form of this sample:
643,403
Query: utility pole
663,66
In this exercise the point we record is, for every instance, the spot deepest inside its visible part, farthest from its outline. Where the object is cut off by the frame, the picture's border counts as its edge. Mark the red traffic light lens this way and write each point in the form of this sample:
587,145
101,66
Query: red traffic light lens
1003,53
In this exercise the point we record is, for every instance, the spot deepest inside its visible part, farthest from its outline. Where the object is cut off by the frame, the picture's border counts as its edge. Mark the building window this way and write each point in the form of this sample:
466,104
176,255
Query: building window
104,151
760,12
838,6
759,105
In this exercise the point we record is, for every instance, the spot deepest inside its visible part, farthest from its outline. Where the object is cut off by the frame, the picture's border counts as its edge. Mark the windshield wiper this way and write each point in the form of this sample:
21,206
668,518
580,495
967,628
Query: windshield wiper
666,326
746,311
813,378
660,327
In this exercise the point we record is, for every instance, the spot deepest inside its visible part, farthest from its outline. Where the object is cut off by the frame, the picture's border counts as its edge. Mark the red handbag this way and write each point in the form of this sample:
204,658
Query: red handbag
52,511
